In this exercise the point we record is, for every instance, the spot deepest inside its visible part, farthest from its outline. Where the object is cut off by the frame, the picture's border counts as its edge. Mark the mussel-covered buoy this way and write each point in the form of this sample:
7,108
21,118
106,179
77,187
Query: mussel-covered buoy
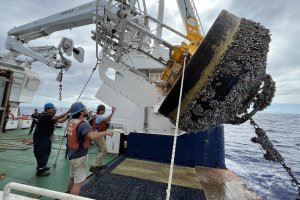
224,78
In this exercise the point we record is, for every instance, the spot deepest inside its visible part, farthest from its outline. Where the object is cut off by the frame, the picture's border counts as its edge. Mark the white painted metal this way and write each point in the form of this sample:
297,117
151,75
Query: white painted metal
24,123
25,84
134,86
16,197
138,60
131,91
156,123
113,142
11,124
37,190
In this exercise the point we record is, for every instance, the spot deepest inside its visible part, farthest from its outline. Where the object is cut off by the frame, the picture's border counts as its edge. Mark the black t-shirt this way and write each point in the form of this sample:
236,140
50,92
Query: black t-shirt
36,115
82,129
45,126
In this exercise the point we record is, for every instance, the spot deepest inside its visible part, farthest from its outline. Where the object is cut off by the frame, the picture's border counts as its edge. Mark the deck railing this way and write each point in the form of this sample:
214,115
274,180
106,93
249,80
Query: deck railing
39,191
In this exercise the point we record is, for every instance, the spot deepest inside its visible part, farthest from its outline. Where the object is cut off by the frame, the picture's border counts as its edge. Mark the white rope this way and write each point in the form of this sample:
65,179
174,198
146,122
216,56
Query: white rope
175,134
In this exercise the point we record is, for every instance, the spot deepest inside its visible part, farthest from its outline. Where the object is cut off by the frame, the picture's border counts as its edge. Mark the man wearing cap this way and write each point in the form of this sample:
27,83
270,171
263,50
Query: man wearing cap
35,116
80,135
42,137
101,124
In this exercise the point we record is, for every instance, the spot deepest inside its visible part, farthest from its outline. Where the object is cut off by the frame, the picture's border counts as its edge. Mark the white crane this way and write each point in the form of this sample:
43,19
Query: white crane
139,57
123,34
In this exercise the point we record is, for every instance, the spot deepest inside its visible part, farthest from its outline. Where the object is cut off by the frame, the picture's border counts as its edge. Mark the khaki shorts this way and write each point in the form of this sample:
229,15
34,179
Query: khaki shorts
78,169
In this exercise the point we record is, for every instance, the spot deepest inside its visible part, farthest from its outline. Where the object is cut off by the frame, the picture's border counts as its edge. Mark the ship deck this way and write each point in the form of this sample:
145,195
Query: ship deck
18,162
139,179
125,178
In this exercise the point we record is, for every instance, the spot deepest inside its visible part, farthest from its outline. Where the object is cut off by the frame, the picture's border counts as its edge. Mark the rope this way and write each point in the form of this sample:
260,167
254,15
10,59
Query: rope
97,63
175,134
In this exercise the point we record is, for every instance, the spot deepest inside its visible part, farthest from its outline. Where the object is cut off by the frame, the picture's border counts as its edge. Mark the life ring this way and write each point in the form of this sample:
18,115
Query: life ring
25,117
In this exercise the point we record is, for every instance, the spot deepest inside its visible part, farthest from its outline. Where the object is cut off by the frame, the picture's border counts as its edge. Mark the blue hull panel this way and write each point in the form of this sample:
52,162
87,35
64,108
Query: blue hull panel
205,148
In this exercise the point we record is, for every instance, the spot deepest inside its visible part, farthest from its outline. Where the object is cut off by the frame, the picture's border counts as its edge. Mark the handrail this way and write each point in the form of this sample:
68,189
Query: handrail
37,190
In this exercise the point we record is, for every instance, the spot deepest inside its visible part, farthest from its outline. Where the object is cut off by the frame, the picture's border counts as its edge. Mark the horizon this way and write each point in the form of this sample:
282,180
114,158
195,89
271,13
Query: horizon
275,108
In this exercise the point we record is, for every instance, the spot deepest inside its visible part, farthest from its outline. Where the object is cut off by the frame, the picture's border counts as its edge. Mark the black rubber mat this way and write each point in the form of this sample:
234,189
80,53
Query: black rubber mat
110,186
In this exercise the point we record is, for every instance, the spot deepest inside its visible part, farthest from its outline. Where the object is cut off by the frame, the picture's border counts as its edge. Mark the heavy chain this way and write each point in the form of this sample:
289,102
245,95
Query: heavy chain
59,79
59,92
272,153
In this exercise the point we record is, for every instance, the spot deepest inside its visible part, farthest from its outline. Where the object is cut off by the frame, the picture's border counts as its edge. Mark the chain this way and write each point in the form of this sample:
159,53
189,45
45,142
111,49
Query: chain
272,153
59,78
59,92
170,53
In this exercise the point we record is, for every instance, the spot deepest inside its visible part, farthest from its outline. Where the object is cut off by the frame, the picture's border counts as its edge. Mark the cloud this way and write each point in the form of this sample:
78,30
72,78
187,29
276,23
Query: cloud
281,17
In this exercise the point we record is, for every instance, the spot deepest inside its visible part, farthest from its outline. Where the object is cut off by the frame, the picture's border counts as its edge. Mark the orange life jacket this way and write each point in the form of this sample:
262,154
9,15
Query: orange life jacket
99,127
73,142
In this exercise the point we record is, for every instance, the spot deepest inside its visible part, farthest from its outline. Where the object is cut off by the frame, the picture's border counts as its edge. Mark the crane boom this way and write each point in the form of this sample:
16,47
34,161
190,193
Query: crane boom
71,18
117,26
190,20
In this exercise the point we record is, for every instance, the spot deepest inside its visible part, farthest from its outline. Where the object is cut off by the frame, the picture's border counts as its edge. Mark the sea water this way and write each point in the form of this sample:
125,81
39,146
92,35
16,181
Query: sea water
245,158
268,179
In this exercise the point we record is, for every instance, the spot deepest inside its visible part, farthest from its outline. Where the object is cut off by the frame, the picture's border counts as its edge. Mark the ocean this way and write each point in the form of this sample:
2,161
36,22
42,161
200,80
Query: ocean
269,180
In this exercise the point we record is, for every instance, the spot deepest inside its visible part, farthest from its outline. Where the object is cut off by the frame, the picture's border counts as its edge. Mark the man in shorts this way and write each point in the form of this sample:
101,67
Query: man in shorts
80,135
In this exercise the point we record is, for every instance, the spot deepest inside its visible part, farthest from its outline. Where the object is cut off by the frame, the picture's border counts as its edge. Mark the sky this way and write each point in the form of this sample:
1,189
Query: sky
280,16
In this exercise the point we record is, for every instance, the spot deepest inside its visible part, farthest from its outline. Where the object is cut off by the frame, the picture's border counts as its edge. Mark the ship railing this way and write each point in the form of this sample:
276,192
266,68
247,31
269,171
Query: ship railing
39,191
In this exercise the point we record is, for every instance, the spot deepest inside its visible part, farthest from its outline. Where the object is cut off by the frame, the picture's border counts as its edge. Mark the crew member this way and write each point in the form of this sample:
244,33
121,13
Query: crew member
101,124
35,116
42,137
80,135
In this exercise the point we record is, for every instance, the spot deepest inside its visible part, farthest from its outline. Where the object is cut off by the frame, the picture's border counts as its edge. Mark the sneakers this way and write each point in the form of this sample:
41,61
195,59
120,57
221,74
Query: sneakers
42,173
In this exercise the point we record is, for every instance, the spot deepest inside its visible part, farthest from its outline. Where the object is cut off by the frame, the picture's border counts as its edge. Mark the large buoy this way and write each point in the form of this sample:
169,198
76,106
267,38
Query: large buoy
225,80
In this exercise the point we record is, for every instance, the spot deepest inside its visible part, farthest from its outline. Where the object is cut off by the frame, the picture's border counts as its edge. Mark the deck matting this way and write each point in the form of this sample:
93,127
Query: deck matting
111,186
138,179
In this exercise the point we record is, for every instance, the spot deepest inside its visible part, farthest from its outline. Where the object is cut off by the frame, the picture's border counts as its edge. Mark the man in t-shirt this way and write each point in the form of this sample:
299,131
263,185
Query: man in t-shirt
102,122
42,137
80,135
35,116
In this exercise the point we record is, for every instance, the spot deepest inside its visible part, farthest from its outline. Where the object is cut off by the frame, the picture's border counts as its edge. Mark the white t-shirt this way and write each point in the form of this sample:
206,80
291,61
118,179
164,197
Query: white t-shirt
99,119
